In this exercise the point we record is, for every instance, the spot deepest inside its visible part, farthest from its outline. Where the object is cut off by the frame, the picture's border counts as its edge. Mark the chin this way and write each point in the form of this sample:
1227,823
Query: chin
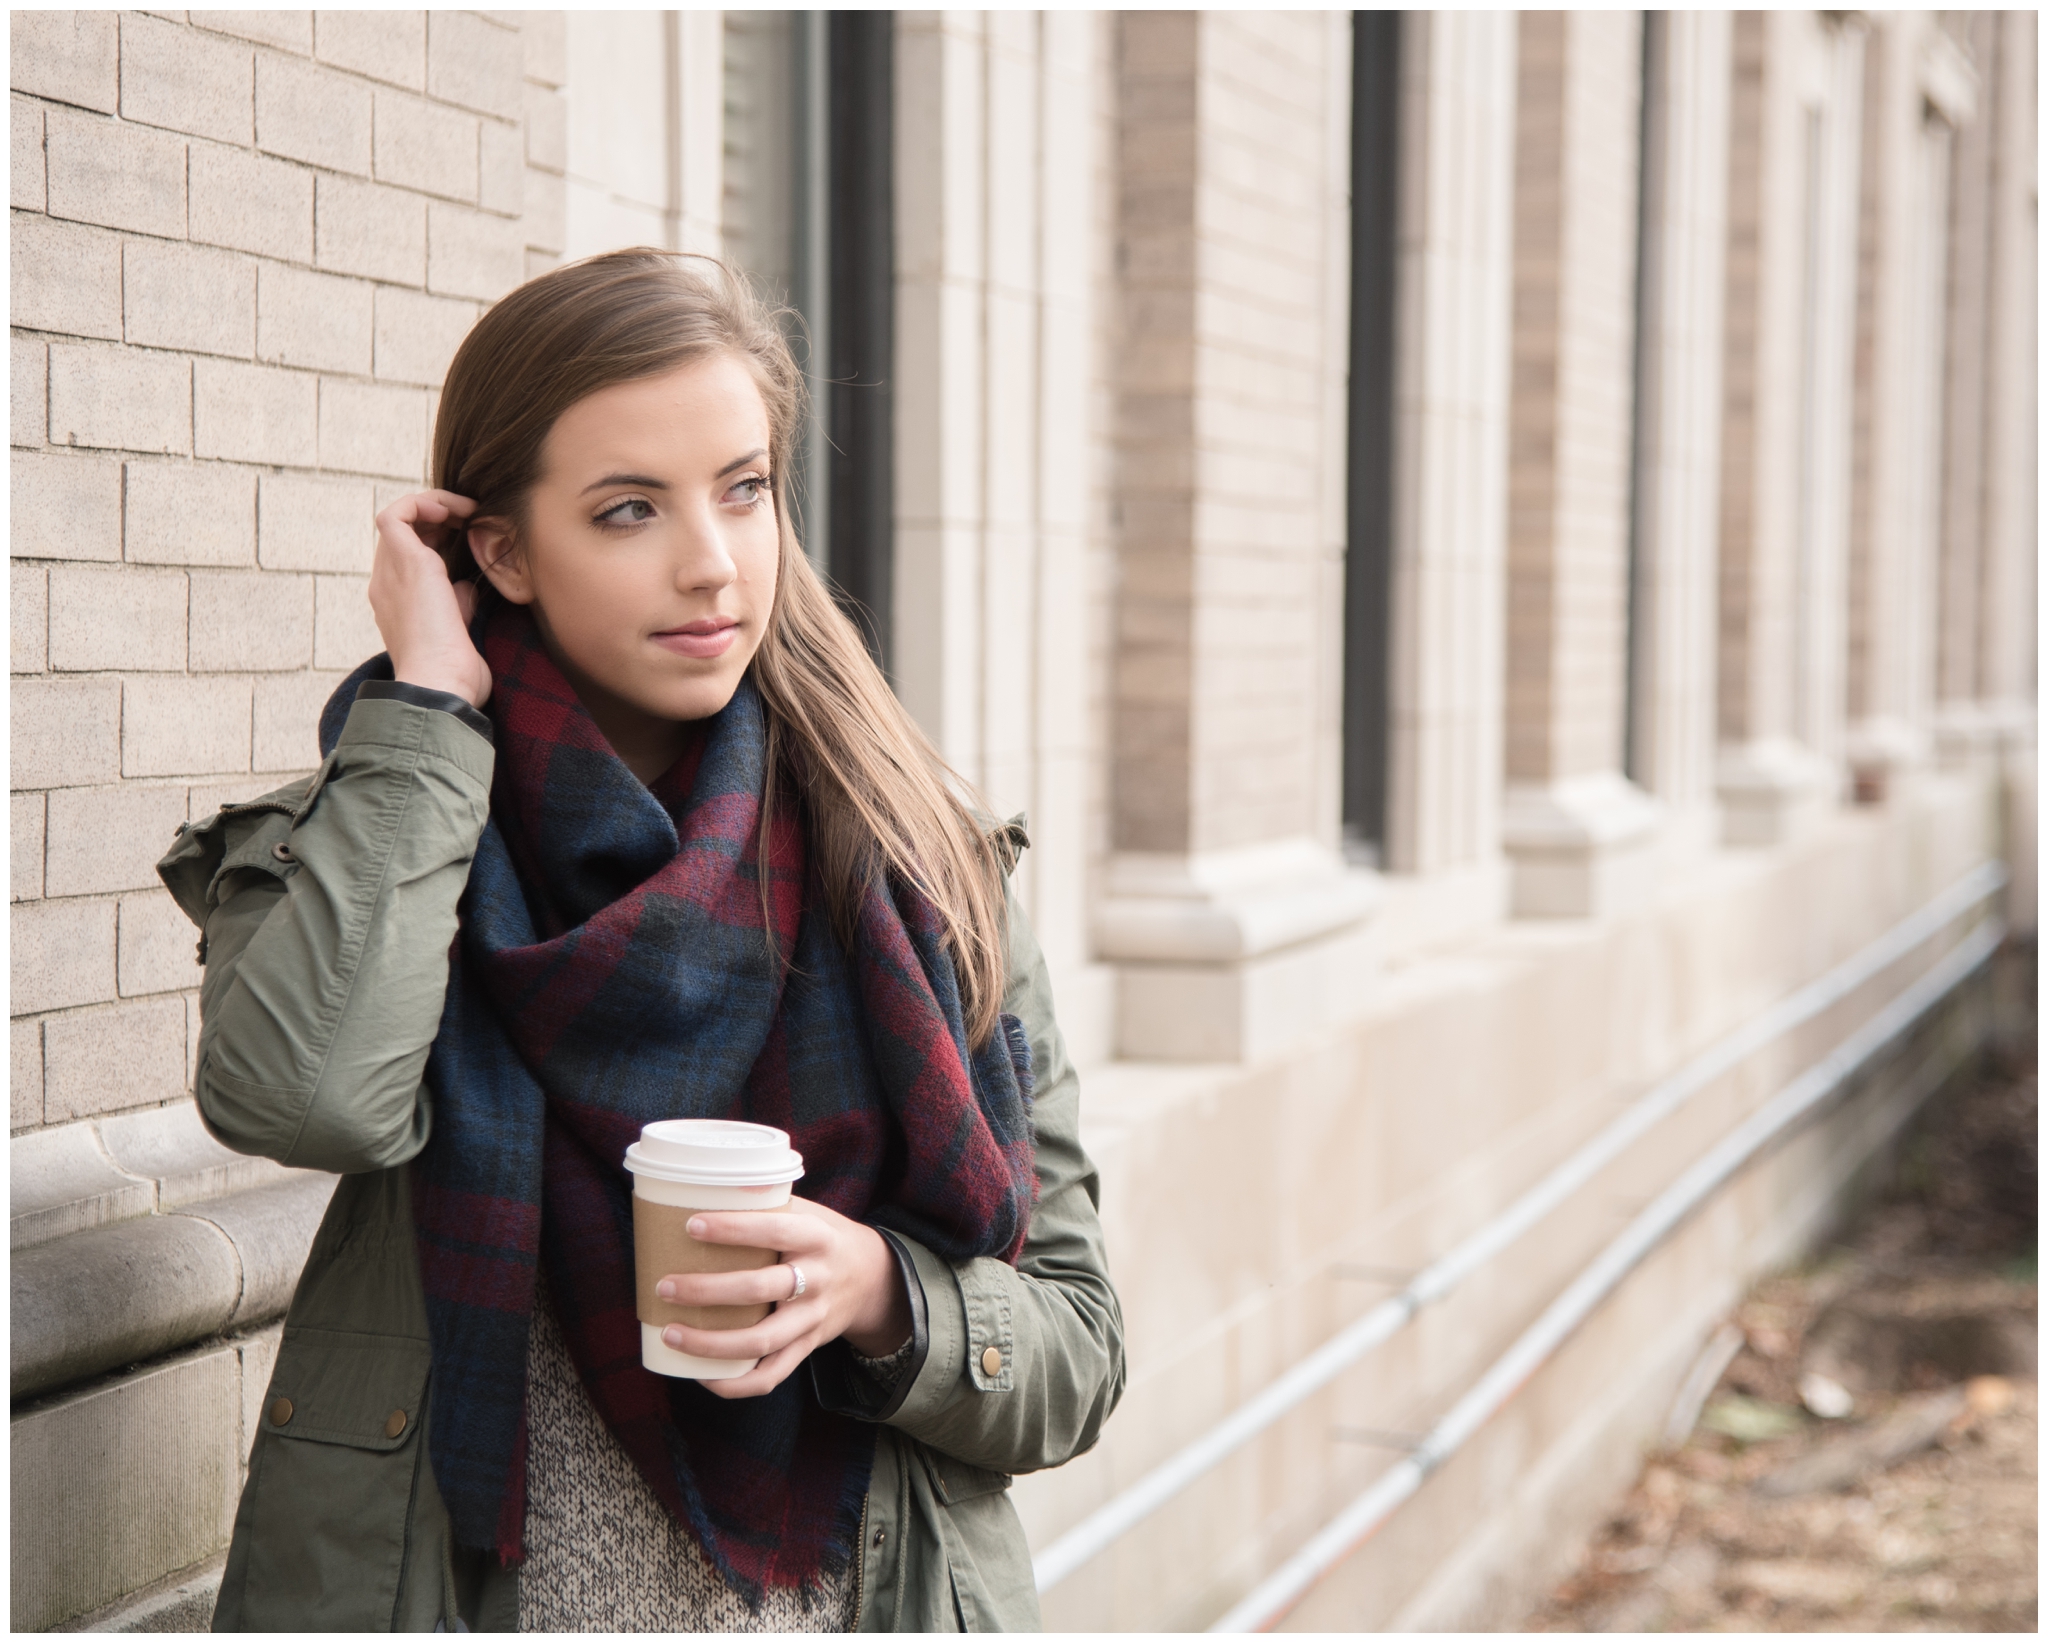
701,700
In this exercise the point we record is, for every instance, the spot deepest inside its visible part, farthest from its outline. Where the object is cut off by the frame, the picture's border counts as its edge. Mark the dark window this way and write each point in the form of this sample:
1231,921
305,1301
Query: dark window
1375,136
860,289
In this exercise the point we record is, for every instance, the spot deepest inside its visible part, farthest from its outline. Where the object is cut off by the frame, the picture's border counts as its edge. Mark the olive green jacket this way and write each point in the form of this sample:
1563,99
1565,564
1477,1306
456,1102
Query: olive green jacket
328,909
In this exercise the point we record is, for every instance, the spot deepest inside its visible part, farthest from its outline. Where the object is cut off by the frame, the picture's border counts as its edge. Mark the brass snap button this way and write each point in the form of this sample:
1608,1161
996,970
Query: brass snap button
991,1363
281,1412
881,1535
394,1423
282,851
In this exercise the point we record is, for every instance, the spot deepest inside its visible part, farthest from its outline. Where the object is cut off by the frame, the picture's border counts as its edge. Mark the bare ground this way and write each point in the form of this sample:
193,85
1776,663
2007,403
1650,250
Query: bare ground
1866,1461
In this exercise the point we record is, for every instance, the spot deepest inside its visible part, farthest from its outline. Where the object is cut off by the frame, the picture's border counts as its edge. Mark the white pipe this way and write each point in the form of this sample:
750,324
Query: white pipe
1123,1512
1267,1602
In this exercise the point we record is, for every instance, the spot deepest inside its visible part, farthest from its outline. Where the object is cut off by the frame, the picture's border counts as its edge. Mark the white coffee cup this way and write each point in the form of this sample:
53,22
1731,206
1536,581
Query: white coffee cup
680,1166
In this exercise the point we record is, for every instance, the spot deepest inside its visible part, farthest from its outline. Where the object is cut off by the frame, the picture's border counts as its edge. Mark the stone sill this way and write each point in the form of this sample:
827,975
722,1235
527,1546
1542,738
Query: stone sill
173,1238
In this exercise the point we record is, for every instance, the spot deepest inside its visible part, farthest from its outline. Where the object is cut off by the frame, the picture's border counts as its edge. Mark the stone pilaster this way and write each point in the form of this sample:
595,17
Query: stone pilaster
1454,289
1678,417
1230,915
1576,829
1917,88
1794,124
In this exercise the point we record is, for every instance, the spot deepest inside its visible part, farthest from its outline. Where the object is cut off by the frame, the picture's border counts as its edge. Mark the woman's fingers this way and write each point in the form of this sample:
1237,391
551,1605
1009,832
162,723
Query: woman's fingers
423,618
765,1376
768,1283
793,1233
781,1328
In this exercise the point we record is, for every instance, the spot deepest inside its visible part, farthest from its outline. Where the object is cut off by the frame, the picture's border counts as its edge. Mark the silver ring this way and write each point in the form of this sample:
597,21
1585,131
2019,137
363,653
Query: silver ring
797,1273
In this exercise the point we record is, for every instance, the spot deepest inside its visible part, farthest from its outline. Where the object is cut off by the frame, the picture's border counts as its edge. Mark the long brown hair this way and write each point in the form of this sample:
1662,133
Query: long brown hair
875,793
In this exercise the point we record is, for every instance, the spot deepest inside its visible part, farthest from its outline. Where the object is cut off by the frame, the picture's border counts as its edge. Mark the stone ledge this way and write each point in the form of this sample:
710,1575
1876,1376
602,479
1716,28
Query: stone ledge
158,1282
101,1171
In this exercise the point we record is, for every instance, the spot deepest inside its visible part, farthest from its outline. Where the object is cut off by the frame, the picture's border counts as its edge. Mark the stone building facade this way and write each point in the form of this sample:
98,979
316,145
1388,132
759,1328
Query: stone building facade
1682,534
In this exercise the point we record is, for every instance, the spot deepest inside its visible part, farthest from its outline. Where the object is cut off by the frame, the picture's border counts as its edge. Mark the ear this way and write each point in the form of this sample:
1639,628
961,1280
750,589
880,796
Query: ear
498,556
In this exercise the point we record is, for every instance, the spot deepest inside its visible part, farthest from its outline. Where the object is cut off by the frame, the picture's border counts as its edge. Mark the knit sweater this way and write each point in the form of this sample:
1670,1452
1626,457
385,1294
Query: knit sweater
601,1553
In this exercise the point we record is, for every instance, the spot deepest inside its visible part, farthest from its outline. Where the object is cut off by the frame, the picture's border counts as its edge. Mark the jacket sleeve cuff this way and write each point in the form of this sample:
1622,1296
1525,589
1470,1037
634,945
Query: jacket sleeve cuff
443,701
843,1387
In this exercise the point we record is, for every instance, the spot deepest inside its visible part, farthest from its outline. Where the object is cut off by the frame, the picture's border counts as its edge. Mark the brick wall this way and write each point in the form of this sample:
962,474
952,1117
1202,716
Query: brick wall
245,246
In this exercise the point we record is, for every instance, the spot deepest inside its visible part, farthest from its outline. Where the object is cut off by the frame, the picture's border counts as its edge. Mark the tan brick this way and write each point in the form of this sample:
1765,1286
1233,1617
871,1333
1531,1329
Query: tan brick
67,56
547,129
501,181
192,1053
65,732
25,814
544,226
120,399
25,1074
315,523
107,1060
541,262
104,617
544,44
186,80
470,254
474,63
66,277
189,297
372,429
425,146
319,321
255,413
249,203
28,617
288,721
27,187
156,950
246,621
190,514
117,175
28,391
177,726
417,335
64,507
383,45
107,839
344,628
379,233
309,113
62,954
287,30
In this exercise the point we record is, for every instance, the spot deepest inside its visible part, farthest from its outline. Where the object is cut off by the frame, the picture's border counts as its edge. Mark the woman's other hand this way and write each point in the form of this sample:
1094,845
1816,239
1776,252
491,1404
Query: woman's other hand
424,617
851,1288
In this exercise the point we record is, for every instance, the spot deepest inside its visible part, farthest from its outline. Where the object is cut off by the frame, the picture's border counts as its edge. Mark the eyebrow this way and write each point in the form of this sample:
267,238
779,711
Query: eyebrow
647,482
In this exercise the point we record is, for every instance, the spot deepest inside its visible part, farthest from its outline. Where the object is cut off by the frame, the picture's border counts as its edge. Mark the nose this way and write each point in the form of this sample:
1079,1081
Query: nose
704,563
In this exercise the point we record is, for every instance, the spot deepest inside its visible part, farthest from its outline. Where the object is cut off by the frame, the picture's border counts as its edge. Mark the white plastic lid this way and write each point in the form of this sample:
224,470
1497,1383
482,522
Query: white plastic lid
714,1152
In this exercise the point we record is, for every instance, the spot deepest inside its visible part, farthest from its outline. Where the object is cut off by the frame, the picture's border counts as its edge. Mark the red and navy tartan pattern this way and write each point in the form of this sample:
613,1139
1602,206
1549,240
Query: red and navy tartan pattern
613,967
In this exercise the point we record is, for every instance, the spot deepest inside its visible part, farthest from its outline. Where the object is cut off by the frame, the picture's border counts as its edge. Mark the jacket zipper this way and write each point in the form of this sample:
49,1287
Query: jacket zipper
860,1562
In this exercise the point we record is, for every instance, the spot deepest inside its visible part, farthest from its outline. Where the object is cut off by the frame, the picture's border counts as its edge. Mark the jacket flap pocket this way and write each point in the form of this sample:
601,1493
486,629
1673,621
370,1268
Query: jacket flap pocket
335,1386
253,843
955,1480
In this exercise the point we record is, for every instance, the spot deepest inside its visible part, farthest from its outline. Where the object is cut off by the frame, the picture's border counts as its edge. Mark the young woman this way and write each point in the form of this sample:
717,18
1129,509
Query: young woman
626,825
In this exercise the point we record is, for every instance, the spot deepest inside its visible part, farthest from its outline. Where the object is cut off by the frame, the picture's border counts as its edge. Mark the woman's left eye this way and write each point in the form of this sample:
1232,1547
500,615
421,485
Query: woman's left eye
633,511
750,491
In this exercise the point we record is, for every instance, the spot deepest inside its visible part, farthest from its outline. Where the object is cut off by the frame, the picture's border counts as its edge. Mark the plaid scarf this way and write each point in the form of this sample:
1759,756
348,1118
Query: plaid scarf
613,968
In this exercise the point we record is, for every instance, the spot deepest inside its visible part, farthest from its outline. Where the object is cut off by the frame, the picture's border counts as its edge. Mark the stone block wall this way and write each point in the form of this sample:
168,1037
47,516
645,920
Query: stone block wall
244,247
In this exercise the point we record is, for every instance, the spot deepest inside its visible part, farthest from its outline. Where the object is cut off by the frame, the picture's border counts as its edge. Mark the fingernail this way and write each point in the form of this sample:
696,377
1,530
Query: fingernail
672,1337
666,1289
697,1227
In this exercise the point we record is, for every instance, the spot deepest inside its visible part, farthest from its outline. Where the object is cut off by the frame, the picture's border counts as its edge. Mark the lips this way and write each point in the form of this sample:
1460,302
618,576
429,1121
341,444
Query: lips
706,639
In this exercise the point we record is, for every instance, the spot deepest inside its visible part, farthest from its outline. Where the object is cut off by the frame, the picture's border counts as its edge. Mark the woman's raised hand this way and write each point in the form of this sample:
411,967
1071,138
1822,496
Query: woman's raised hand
851,1288
424,617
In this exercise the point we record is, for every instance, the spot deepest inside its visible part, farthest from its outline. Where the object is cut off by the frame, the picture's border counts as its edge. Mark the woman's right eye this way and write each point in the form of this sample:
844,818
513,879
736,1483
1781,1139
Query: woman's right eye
633,511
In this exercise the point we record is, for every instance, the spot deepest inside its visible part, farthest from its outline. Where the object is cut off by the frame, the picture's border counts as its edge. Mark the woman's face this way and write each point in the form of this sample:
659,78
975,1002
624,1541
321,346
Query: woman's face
649,550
